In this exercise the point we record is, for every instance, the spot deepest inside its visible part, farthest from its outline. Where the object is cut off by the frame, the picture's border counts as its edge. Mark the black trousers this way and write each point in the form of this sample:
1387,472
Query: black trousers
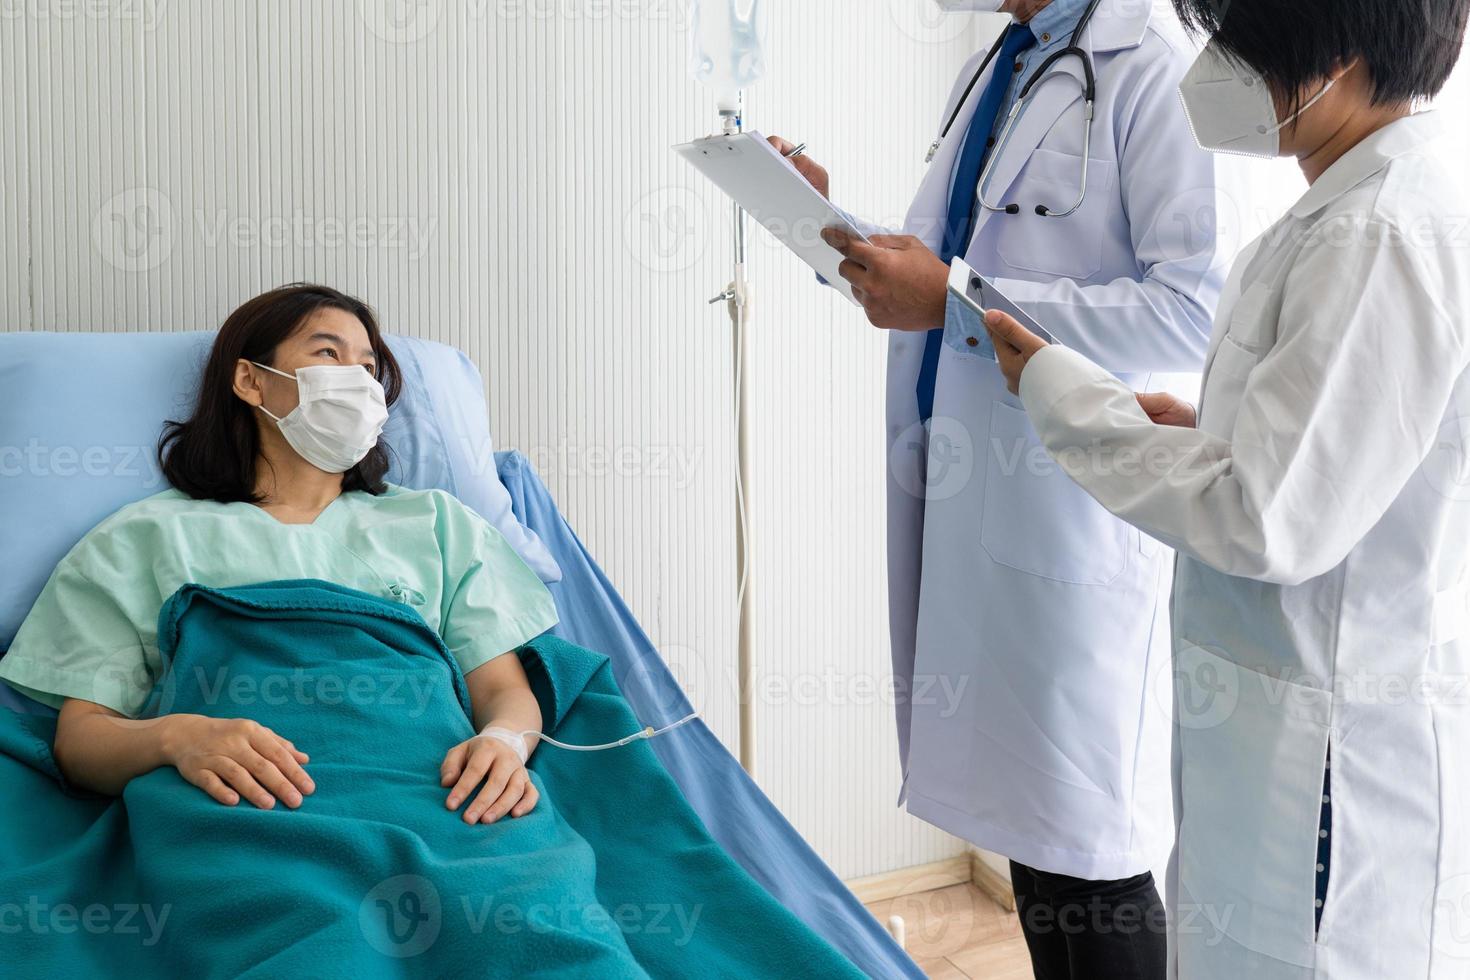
1091,930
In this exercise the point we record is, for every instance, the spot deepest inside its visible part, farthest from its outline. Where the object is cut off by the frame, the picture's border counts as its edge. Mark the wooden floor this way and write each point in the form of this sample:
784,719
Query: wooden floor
957,932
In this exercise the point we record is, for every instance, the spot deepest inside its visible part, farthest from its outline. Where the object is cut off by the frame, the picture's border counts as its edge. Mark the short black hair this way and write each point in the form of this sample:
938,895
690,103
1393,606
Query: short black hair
1409,47
212,455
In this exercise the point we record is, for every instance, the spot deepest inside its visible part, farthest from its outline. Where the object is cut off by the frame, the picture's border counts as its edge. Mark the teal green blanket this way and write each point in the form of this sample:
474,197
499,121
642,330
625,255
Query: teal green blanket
612,875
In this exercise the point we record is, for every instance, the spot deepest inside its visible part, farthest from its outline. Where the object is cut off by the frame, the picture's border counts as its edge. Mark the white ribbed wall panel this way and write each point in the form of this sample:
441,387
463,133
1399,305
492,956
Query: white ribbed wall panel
495,174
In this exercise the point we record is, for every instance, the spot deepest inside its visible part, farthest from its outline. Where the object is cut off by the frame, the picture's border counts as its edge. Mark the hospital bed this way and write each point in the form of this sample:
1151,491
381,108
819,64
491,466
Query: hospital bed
80,414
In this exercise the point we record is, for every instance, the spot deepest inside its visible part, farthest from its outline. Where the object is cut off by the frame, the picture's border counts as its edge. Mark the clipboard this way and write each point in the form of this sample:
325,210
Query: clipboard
763,182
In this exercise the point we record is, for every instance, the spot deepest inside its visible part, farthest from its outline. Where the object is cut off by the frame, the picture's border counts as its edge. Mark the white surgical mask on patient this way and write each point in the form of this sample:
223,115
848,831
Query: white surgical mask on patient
1230,108
340,416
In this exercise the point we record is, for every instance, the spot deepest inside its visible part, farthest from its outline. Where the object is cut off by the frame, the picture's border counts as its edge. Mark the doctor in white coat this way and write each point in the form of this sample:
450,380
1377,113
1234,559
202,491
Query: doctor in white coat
1320,505
1007,580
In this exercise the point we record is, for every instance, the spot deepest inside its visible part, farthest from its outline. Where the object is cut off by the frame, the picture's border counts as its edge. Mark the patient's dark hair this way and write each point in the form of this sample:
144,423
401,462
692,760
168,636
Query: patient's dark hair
212,455
1409,47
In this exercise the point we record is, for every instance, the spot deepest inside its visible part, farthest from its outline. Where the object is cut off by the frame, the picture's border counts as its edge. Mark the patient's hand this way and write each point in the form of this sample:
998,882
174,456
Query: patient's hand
508,787
233,757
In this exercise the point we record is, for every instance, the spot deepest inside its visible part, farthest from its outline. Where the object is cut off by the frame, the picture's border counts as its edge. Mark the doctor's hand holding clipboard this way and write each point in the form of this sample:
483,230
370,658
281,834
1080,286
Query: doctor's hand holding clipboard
898,280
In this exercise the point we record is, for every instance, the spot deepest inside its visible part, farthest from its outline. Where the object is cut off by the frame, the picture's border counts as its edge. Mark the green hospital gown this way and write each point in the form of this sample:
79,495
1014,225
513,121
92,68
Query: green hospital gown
92,633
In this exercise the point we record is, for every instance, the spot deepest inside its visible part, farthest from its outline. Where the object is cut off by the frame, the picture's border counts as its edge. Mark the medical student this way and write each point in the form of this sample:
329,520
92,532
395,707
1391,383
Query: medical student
1007,582
1319,500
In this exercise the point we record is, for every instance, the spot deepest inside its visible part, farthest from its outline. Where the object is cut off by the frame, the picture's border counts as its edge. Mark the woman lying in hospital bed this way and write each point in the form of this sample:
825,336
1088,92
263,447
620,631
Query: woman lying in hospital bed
283,827
278,474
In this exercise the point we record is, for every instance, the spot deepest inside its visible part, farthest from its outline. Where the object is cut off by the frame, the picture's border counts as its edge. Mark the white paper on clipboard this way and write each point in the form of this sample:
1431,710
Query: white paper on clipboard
756,177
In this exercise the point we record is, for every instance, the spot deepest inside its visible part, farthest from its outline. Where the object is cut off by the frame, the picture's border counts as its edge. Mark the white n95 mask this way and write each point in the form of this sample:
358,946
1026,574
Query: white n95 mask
955,6
1230,108
340,416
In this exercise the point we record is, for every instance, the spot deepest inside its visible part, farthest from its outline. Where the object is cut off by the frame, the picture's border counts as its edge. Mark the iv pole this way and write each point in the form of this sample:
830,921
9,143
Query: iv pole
736,297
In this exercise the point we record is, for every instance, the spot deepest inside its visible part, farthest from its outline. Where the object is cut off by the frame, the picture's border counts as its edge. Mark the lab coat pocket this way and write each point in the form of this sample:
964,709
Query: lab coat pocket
1252,752
1233,361
1252,332
1253,320
1069,247
1224,389
1225,381
1035,519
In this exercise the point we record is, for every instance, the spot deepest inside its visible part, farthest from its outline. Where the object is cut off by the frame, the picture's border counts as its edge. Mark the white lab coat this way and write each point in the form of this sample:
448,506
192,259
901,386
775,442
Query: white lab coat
1321,512
1029,619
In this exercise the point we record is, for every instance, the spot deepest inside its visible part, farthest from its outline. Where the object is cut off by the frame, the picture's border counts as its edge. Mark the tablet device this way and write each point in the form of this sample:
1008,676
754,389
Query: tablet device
981,296
773,192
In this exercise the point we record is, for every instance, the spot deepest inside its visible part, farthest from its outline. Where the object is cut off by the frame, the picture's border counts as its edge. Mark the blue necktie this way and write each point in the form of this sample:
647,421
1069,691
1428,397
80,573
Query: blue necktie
962,199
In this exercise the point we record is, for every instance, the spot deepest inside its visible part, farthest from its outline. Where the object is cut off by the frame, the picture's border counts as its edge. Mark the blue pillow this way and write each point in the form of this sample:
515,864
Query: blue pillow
81,413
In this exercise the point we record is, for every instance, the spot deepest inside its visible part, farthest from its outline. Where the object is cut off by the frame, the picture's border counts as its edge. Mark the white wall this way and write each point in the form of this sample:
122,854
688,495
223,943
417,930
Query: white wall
495,174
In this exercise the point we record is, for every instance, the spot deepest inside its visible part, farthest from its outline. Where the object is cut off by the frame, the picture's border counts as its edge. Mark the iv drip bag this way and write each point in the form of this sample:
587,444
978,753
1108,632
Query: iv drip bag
725,47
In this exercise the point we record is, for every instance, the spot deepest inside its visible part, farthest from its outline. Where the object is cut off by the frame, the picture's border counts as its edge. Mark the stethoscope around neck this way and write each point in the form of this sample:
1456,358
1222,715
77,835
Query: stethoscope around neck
1023,100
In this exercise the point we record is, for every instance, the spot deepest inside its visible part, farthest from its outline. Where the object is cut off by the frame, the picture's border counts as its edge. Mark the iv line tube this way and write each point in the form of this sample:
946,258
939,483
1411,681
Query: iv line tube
649,732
